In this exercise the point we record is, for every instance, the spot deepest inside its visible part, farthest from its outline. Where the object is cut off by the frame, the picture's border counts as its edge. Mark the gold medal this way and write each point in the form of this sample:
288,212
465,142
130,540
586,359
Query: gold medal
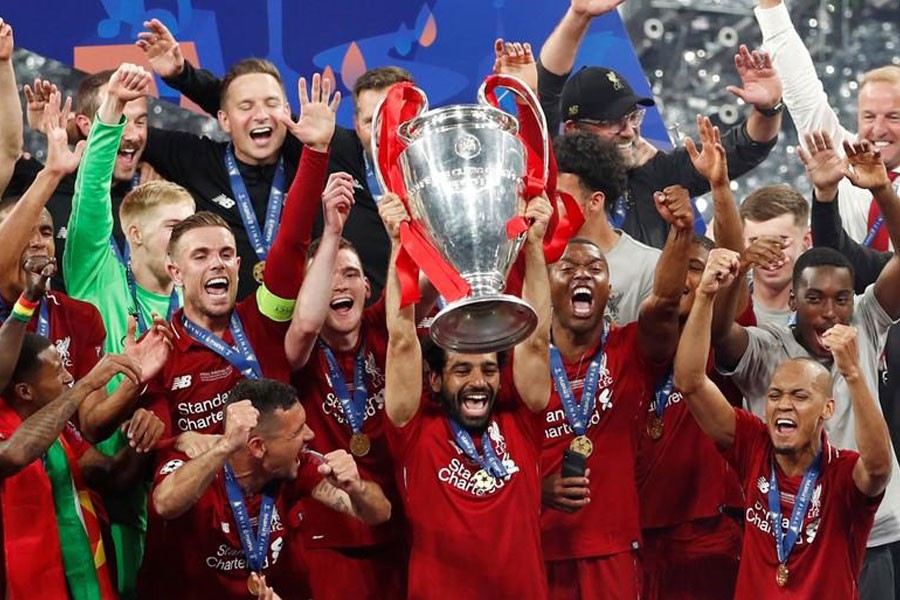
582,445
259,270
253,586
781,575
360,444
655,427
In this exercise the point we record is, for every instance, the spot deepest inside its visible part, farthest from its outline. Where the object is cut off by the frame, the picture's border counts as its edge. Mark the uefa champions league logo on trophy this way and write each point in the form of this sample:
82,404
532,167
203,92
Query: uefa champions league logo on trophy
462,170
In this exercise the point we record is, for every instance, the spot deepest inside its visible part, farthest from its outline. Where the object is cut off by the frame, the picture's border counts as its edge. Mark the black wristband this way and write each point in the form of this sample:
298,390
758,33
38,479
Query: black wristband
771,112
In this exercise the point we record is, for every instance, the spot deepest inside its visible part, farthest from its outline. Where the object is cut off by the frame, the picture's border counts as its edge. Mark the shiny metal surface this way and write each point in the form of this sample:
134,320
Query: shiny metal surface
463,170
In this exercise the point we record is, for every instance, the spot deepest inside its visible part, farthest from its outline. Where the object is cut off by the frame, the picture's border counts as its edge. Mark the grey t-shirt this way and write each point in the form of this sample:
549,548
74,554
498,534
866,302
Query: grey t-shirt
770,345
770,316
632,266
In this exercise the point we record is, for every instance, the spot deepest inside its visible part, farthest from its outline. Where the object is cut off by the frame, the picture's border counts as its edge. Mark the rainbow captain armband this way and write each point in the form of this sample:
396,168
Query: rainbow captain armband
274,307
23,309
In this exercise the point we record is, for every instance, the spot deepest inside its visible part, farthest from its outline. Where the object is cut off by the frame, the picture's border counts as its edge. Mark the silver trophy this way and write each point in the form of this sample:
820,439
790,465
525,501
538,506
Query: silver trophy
463,169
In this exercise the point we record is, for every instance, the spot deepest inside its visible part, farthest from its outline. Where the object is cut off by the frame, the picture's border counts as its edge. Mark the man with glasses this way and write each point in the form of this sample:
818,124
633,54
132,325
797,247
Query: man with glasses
601,101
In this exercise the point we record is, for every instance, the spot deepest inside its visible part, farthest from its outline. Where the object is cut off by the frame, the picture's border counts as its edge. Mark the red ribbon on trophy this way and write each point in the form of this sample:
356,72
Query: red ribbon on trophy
404,102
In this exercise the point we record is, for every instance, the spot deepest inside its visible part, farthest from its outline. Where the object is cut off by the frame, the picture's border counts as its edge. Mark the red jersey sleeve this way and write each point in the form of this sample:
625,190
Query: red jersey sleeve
286,260
750,438
156,399
92,343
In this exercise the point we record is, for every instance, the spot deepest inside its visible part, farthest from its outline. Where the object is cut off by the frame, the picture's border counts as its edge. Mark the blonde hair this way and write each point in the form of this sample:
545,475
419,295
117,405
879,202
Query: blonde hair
150,195
887,74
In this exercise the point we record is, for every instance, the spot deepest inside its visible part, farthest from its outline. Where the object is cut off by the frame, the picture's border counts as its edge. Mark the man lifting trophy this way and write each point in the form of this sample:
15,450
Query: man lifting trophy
463,172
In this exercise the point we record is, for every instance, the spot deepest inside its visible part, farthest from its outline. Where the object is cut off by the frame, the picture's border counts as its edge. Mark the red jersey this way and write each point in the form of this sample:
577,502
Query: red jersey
321,526
682,476
473,536
199,556
828,555
609,523
76,330
190,391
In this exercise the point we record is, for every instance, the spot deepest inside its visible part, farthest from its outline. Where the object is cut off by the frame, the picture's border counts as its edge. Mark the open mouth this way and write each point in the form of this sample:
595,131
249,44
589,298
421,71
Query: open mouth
261,135
582,301
881,144
785,426
127,156
342,305
475,404
217,286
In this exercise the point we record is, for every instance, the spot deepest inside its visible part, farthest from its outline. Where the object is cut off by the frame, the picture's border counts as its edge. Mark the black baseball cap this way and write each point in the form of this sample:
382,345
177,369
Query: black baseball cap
599,94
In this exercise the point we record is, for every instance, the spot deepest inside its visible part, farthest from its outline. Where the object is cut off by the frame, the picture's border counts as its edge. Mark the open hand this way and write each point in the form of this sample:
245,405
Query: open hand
824,166
7,43
154,347
867,169
315,126
711,160
762,86
516,59
60,159
161,48
36,97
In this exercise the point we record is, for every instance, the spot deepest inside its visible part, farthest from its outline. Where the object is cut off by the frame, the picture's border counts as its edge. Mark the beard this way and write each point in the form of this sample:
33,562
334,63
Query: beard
453,404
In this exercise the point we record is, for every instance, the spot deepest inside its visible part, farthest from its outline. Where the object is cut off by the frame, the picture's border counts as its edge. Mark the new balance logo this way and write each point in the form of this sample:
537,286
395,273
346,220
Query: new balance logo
181,383
223,201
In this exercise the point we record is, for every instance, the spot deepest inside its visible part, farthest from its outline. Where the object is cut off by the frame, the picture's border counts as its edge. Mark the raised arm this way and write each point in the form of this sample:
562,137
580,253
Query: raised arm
165,57
287,258
804,94
180,490
91,220
38,271
658,321
559,51
762,89
16,228
867,171
873,441
30,441
707,404
313,301
403,364
531,358
343,490
11,134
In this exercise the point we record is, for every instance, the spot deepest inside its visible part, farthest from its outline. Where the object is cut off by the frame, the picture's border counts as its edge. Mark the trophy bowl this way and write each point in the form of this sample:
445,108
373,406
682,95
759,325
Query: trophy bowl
463,169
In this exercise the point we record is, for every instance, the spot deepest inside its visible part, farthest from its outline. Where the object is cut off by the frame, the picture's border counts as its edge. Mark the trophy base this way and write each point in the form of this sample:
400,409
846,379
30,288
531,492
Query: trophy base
483,324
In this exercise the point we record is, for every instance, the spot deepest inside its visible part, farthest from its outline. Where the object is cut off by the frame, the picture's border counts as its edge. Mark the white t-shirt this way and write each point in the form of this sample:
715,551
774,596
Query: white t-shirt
632,266
770,345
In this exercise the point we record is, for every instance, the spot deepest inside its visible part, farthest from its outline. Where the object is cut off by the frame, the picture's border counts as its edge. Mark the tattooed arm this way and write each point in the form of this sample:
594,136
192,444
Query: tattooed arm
38,431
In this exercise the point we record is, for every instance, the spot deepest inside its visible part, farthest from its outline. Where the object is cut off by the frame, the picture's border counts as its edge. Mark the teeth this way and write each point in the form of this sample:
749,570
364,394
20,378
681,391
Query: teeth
217,281
260,130
582,290
780,422
881,143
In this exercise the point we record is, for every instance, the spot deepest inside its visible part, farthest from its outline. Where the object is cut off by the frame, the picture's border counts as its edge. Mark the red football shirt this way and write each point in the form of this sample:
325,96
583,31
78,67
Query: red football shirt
470,541
76,330
199,554
682,476
321,526
609,524
190,391
828,555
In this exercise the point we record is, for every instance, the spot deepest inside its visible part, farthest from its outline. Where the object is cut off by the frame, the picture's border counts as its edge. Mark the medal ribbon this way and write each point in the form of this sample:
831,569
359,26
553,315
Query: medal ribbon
125,259
578,414
260,240
242,358
371,180
784,541
43,325
256,547
663,391
619,213
354,406
490,462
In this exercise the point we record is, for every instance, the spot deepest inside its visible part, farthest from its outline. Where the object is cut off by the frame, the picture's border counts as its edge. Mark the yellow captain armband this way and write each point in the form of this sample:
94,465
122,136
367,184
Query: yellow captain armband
274,307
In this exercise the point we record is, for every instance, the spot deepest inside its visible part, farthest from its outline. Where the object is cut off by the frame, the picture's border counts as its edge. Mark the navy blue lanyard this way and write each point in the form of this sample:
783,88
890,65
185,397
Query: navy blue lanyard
371,180
242,357
578,414
256,547
489,461
873,231
354,406
132,289
43,326
663,391
784,541
260,240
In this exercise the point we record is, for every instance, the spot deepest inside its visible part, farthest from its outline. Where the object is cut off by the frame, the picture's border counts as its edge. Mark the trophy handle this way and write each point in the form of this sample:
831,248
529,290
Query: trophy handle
377,133
487,95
